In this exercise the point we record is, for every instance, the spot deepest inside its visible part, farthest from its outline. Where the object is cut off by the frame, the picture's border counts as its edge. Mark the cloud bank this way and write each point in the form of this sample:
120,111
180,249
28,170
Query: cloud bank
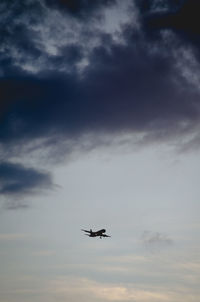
18,181
66,79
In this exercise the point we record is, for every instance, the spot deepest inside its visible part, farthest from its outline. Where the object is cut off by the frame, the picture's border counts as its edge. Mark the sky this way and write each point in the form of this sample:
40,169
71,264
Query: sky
99,128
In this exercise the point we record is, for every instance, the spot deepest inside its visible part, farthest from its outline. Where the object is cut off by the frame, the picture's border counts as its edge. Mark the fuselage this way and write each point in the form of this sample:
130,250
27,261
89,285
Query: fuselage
100,233
97,233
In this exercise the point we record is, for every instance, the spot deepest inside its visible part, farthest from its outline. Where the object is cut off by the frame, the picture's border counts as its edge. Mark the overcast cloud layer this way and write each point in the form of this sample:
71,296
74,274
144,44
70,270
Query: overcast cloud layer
69,81
94,96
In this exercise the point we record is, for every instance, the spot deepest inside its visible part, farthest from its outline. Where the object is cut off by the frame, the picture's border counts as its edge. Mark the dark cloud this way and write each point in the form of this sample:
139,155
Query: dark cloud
135,85
125,88
68,57
137,89
146,6
181,17
39,107
79,8
18,180
17,35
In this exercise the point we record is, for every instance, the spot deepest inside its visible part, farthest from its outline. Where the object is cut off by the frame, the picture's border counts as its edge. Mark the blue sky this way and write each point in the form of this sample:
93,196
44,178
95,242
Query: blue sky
99,129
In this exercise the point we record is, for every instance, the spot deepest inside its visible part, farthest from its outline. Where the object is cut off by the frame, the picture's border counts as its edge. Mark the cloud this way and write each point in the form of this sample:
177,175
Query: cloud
180,17
44,253
18,35
135,87
79,8
87,289
125,89
14,236
67,84
156,240
18,181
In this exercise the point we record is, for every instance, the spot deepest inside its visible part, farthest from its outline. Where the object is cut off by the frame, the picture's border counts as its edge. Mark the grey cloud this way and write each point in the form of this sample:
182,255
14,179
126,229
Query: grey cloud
15,204
156,240
18,180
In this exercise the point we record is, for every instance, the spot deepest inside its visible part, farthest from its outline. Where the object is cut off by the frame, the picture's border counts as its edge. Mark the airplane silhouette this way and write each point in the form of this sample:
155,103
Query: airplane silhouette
99,233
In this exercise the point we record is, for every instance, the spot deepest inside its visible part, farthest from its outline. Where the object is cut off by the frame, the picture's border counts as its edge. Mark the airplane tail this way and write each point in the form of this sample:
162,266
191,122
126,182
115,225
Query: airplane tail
90,230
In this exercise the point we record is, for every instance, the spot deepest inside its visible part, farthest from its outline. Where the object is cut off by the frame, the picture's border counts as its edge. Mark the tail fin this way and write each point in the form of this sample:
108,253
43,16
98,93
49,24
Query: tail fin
90,230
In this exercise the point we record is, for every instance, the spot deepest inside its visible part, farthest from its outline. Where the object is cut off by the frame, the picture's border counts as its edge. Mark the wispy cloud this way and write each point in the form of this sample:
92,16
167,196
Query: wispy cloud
91,290
44,253
13,236
103,292
156,240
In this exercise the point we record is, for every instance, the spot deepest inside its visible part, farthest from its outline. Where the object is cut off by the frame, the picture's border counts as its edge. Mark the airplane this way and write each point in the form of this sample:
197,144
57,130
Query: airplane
99,233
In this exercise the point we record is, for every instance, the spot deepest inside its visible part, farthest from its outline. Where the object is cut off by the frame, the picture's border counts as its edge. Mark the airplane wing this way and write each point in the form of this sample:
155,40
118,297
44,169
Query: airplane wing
104,235
85,231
